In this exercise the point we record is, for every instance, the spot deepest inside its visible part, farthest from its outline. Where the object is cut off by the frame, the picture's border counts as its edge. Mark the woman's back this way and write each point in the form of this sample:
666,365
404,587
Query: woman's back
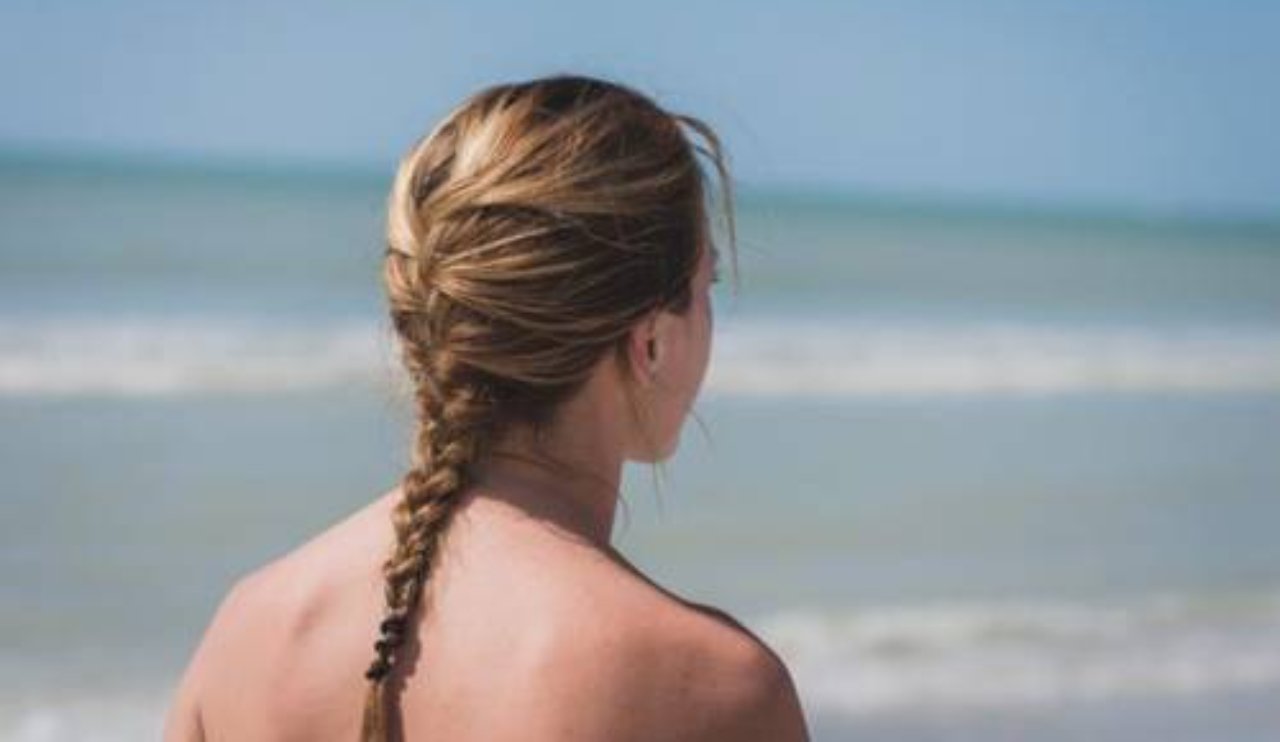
528,634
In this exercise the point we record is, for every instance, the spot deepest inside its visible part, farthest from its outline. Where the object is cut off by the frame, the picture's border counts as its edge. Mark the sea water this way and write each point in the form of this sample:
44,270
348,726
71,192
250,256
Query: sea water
975,473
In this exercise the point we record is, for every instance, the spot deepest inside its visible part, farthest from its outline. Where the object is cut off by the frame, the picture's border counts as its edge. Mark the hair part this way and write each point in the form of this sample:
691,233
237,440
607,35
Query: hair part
526,235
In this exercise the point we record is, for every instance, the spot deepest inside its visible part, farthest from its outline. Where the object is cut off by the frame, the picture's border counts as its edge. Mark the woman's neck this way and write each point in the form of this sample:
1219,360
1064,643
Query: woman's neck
567,477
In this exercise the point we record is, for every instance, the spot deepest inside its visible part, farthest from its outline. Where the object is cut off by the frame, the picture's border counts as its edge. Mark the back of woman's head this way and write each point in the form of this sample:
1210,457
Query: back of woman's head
527,235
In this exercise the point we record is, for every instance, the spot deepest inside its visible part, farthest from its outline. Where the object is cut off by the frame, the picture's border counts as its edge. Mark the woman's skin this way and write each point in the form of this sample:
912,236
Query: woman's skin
532,626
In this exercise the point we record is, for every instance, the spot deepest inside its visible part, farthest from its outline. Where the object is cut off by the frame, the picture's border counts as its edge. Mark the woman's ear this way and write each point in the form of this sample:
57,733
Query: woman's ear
645,350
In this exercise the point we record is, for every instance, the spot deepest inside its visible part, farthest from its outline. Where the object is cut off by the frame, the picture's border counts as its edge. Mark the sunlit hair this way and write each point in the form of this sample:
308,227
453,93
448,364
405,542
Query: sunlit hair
526,236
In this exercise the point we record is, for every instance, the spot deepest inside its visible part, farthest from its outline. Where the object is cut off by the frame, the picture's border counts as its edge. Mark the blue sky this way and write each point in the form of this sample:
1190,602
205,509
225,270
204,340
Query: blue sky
1151,105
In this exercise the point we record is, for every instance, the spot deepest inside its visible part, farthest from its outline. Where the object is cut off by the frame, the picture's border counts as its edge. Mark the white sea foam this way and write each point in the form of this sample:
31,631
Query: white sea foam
155,356
759,357
998,655
105,717
908,358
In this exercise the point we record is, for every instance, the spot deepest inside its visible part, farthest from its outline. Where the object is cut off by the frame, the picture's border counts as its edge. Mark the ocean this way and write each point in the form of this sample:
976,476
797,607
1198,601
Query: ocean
975,471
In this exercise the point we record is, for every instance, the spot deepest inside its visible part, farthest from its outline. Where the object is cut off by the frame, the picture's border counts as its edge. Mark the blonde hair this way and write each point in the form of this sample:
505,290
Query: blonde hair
526,236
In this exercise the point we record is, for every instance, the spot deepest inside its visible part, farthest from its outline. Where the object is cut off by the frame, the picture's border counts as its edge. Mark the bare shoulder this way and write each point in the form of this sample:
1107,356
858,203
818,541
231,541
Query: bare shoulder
283,595
741,689
648,666
186,719
263,616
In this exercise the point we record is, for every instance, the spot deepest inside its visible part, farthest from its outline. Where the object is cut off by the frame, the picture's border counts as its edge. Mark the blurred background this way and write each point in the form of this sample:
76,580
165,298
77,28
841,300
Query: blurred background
992,425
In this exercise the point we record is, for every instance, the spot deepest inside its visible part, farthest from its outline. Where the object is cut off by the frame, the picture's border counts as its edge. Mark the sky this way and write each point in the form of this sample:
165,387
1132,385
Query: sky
1141,105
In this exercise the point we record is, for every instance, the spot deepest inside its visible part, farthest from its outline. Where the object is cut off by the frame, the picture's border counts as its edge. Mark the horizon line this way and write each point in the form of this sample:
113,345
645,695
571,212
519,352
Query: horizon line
366,173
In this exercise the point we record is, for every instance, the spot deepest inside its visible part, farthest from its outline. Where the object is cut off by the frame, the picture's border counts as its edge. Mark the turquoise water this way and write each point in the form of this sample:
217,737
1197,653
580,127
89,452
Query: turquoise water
976,473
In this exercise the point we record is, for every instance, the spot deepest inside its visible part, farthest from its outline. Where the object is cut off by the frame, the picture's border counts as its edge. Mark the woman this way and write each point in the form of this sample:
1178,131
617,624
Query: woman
548,271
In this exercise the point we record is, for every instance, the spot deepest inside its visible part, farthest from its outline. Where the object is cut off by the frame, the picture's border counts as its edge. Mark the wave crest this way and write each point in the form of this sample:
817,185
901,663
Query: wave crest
754,357
995,655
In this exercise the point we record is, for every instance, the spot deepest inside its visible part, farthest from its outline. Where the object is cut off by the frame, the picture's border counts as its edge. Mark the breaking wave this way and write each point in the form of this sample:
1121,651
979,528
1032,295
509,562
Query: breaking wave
993,655
760,357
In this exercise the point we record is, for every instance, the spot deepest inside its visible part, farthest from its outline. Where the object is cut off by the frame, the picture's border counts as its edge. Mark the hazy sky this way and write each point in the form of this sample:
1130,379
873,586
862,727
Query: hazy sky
1148,104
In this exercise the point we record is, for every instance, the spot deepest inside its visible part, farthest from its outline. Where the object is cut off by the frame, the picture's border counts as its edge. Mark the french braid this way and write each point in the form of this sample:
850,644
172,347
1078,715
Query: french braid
454,423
